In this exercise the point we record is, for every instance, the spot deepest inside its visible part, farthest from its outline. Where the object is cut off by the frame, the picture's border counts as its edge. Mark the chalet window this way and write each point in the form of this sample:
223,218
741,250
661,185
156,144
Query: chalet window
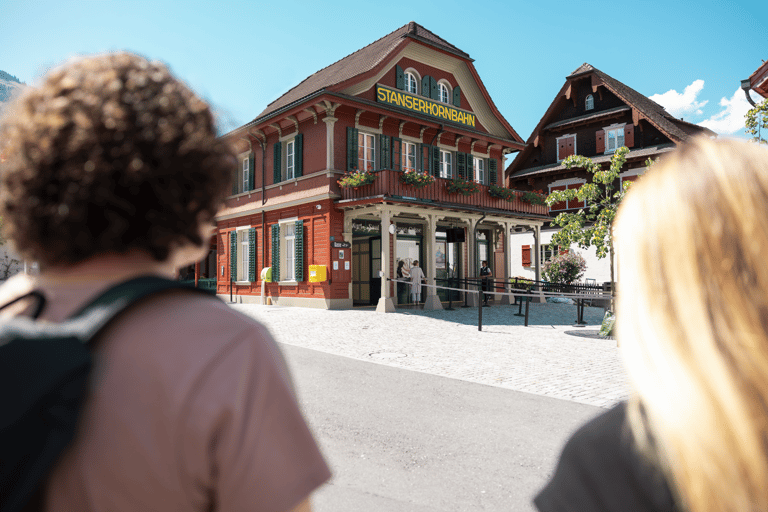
548,251
446,164
411,83
288,251
614,138
243,254
443,92
408,156
366,151
246,174
478,166
566,146
288,161
589,102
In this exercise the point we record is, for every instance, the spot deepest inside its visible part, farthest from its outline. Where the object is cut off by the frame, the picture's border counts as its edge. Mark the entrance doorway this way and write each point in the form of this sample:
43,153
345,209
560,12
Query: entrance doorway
366,265
408,250
447,266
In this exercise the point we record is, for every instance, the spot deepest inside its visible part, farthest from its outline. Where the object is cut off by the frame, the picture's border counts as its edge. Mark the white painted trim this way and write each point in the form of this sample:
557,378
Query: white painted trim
569,181
286,221
417,76
606,129
288,137
279,206
557,145
447,85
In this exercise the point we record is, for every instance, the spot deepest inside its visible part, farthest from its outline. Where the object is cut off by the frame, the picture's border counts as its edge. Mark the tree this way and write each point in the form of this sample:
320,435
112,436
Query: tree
757,120
592,226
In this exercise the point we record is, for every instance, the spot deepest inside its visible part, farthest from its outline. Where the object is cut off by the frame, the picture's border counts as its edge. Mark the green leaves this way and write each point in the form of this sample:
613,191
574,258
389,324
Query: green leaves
756,121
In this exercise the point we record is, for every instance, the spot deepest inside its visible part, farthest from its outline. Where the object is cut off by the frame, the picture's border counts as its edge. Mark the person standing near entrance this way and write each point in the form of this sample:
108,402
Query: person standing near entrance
485,275
417,278
402,288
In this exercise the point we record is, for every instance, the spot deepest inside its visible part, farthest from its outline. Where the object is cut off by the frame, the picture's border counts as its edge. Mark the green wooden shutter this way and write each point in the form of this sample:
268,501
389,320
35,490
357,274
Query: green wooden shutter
399,78
235,176
277,173
351,149
299,250
461,165
433,92
252,255
276,252
493,170
251,171
298,157
457,96
233,255
470,167
425,87
385,155
435,161
397,157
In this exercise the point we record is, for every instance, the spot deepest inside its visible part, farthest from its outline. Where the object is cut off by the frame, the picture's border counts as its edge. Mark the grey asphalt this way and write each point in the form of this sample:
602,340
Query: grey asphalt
400,440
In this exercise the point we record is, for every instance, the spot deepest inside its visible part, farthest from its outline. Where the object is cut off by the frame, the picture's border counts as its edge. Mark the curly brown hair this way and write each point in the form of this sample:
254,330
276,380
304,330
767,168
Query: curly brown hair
108,154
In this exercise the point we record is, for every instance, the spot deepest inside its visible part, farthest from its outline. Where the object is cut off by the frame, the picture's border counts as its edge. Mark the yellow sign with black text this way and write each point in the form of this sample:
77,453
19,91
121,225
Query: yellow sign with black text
424,106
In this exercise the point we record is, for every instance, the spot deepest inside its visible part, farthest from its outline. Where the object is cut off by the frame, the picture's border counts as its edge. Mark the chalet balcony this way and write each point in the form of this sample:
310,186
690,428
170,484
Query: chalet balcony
388,184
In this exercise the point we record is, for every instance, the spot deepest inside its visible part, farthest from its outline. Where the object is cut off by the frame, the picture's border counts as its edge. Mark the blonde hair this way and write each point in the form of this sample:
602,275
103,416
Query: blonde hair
692,319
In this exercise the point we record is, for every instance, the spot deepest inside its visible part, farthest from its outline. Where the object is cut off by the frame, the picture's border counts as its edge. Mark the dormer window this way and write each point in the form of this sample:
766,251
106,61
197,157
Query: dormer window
411,83
589,103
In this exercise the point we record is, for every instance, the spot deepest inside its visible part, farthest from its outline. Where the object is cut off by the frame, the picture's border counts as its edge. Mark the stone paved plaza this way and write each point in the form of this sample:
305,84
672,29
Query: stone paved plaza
549,357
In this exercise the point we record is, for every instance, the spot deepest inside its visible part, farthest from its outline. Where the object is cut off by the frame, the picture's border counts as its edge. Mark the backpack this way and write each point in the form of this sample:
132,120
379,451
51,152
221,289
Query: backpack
44,369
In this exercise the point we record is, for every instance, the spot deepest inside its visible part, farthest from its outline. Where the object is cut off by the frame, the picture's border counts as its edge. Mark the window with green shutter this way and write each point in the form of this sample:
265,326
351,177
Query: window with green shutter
351,149
457,97
492,170
251,171
252,255
435,161
385,154
299,250
461,165
299,158
399,78
434,93
233,255
276,252
277,175
397,154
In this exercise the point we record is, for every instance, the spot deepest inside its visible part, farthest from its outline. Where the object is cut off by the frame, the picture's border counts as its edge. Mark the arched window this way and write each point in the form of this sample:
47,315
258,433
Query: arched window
411,83
589,103
443,93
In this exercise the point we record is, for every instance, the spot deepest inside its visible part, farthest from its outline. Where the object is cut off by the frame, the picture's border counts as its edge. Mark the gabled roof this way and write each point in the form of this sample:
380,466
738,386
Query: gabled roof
359,62
759,80
675,129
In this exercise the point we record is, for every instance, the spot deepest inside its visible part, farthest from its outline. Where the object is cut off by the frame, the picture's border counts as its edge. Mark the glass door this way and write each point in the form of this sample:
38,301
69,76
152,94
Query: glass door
408,250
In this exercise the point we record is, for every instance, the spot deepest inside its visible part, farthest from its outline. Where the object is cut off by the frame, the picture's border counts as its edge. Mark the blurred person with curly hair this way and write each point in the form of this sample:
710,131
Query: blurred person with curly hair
112,170
692,320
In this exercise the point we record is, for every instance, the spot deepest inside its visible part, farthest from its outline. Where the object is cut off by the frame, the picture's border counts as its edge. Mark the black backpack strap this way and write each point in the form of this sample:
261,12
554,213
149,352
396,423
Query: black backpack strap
35,294
93,317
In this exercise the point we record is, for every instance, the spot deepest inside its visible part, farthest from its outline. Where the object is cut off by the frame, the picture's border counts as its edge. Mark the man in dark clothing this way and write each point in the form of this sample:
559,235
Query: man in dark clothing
485,275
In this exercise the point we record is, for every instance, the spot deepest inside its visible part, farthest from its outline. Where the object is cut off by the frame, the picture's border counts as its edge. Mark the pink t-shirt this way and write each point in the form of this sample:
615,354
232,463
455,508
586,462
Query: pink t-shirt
191,408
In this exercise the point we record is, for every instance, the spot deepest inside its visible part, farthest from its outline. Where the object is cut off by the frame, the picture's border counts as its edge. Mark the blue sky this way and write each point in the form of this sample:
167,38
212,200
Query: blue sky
241,55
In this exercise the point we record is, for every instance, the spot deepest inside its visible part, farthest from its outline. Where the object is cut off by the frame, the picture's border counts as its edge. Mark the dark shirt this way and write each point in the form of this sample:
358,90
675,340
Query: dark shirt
601,470
485,271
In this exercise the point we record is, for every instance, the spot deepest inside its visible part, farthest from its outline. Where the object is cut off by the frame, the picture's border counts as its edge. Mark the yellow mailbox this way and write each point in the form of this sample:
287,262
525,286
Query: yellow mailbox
317,273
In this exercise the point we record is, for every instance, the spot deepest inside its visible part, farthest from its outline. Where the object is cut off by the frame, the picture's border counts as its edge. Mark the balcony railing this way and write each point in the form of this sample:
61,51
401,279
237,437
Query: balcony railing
388,183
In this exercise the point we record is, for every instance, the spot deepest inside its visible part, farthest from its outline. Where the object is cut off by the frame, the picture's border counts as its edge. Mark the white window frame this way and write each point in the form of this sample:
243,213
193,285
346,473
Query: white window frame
288,267
589,102
478,169
569,184
411,74
619,130
638,171
366,137
243,253
446,164
442,86
245,174
557,145
290,159
406,154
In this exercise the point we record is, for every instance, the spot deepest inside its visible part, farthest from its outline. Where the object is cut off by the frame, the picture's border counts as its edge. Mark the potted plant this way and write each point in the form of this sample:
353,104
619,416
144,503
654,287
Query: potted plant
416,179
534,197
356,179
502,193
463,187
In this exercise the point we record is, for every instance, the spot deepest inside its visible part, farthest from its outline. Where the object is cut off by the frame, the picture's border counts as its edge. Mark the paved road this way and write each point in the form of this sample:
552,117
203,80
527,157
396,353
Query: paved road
400,440
551,357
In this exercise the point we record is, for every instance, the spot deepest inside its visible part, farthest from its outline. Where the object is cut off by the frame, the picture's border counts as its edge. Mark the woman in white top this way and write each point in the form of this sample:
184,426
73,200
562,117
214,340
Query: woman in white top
417,277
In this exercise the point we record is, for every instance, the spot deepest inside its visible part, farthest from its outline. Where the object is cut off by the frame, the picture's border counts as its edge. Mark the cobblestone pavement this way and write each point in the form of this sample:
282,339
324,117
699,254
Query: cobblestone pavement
550,357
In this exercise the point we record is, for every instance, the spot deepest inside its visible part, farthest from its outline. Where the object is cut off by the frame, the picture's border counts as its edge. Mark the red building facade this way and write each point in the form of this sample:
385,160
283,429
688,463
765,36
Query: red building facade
407,103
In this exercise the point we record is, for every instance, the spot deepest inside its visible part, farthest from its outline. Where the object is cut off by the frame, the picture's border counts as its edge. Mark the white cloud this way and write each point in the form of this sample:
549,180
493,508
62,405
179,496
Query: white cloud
681,104
730,119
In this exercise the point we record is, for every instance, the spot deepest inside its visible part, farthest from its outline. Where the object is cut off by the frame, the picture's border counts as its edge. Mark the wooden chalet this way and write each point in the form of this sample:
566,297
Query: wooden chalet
408,102
592,115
